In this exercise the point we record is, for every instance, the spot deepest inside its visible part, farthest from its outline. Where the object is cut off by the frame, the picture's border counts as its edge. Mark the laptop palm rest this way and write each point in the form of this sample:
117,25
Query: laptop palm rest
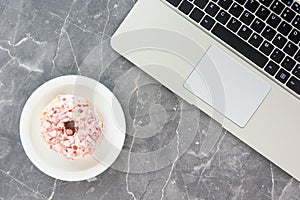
227,86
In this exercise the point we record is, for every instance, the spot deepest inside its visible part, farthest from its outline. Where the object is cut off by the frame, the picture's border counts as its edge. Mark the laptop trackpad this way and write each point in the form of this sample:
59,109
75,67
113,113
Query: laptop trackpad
227,86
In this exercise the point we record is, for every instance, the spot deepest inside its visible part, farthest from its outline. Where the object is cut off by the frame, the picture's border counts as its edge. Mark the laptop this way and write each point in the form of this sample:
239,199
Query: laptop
236,60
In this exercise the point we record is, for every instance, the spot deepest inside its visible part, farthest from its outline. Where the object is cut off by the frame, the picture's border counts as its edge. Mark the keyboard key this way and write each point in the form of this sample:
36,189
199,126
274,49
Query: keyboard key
234,24
290,49
223,17
236,10
294,36
296,22
252,5
277,7
197,14
186,7
268,33
258,25
288,63
266,48
282,76
279,40
241,1
288,14
266,2
273,20
225,3
294,84
212,9
287,2
271,68
297,56
263,12
296,7
174,2
207,22
296,71
240,45
284,28
201,3
277,56
245,32
247,17
255,40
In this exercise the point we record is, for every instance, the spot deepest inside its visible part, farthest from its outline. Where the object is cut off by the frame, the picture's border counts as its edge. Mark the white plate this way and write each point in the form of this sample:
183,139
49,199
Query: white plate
109,146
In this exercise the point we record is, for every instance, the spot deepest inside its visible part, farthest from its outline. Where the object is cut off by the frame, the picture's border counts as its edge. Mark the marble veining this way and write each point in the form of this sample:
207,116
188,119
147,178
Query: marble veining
172,150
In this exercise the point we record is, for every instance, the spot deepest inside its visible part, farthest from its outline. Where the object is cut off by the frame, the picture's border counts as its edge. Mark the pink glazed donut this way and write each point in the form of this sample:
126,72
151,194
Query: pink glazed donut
71,127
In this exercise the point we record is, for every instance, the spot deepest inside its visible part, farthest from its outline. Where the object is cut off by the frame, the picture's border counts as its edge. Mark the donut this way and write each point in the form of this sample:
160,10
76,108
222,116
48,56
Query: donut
70,126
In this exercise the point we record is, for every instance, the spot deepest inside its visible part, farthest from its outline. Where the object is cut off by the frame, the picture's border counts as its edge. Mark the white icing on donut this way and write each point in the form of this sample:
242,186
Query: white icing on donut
70,126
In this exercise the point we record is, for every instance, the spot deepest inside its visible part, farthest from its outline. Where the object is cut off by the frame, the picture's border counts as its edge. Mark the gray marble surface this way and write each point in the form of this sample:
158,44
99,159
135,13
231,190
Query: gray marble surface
44,39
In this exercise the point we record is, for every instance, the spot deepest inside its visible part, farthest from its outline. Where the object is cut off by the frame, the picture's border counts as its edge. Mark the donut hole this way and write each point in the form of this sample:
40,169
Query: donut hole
71,126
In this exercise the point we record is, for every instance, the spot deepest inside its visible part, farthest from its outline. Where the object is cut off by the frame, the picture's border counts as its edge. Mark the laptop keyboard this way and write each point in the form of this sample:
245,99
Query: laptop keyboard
267,32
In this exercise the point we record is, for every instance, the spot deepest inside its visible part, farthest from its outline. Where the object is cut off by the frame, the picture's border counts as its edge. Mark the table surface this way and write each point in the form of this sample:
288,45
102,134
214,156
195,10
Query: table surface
172,150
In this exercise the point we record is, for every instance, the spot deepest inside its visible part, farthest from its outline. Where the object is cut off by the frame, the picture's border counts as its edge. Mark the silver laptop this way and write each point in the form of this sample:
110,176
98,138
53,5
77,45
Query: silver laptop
236,60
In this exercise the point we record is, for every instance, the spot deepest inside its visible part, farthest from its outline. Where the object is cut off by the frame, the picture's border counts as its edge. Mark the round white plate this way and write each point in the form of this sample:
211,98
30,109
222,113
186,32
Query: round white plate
108,147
